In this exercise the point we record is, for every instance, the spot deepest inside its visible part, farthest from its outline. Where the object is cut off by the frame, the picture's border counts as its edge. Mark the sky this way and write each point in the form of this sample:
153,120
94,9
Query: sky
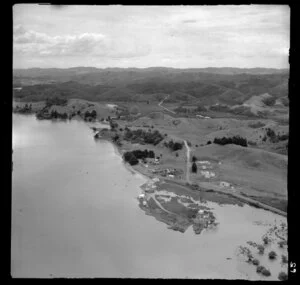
244,36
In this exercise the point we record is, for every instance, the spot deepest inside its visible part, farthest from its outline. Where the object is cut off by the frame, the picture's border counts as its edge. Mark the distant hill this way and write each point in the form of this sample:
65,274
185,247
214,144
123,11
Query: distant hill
203,85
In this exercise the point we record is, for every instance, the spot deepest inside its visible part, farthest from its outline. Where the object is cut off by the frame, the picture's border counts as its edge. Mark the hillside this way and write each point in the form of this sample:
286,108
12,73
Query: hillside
207,86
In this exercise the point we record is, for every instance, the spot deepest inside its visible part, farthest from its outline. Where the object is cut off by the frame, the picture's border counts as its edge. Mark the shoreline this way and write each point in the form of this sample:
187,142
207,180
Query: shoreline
201,188
148,176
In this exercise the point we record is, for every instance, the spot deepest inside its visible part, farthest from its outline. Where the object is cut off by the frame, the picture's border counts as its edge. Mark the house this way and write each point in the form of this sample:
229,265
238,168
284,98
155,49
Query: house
141,196
224,184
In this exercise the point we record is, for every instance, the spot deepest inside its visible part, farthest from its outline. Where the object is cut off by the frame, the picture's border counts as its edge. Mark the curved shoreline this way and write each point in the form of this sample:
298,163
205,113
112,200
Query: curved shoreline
202,187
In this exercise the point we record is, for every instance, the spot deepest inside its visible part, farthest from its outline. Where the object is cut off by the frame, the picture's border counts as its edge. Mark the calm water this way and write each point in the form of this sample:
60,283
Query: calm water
75,214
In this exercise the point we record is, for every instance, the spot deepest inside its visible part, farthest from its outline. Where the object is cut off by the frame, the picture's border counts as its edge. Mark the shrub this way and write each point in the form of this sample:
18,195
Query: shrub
282,276
252,143
209,142
270,101
282,243
261,249
176,154
266,240
266,272
284,259
194,158
285,101
255,261
272,255
261,269
256,125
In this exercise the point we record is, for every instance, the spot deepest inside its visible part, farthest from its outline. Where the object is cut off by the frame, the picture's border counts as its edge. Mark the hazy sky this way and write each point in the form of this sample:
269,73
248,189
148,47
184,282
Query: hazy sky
144,36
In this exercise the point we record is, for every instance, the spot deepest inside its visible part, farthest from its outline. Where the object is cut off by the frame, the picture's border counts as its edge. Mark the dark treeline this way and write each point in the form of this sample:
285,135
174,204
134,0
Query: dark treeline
43,114
231,140
187,110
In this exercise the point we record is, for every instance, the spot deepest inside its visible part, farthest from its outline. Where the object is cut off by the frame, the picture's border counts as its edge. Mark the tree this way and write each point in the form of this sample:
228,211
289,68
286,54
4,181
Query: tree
86,115
151,154
261,249
272,255
282,276
194,167
194,158
130,158
255,261
93,114
266,240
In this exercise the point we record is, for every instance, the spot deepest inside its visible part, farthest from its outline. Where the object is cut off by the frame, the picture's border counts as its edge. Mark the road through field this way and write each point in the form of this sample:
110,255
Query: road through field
188,150
159,104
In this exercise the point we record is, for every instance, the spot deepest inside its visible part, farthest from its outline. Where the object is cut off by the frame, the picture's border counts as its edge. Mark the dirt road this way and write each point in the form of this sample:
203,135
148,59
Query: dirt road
188,151
159,104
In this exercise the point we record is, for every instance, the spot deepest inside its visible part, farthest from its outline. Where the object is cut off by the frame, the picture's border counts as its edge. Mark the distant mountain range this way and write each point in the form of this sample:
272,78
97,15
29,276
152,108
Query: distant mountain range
85,70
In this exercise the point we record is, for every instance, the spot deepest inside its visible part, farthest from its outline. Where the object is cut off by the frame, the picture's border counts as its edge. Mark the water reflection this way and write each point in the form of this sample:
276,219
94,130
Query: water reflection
167,204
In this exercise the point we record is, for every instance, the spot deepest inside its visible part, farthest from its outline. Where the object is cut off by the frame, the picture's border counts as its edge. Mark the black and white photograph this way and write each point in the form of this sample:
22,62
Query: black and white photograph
150,141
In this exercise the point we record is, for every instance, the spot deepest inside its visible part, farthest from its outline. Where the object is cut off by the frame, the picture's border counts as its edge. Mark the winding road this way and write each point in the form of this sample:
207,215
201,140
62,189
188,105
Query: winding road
159,104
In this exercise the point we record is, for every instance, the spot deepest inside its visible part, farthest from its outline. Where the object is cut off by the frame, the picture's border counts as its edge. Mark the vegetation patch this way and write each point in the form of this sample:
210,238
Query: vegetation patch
231,140
132,157
272,255
143,137
174,146
282,276
256,125
262,270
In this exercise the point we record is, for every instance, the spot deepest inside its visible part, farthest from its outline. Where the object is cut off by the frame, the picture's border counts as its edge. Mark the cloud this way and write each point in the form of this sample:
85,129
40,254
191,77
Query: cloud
39,44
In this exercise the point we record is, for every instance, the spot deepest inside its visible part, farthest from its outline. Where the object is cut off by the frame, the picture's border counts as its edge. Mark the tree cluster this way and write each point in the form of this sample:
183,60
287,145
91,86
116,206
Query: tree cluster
143,137
231,140
264,271
55,115
275,138
88,116
132,157
173,145
27,109
270,101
